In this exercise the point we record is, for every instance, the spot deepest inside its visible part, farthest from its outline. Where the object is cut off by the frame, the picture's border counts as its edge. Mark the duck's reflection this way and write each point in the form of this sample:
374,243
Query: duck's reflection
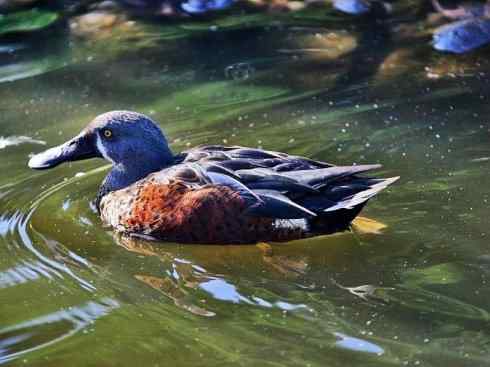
194,275
173,291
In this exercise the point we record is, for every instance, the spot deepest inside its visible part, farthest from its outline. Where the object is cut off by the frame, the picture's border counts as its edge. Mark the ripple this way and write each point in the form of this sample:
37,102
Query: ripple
356,344
25,272
17,140
44,331
223,291
45,258
8,223
61,267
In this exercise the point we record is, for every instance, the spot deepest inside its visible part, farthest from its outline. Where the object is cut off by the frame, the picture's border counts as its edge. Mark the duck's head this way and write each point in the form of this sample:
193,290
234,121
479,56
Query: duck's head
131,141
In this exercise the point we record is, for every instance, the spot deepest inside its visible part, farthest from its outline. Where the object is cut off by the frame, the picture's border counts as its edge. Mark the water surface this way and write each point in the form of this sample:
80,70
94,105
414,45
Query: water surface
329,87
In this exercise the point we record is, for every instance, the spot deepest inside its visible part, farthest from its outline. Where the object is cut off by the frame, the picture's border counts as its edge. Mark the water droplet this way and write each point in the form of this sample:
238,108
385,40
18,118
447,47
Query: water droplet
239,71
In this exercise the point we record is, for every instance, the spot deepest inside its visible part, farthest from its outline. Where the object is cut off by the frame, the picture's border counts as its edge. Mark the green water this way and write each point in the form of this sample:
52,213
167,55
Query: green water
72,293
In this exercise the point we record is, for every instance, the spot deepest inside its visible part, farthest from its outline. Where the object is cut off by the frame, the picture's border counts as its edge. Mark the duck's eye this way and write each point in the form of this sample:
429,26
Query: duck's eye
107,133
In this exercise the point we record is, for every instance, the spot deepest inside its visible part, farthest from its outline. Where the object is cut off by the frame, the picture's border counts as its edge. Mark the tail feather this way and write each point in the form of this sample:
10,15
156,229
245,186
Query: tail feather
363,196
339,216
323,175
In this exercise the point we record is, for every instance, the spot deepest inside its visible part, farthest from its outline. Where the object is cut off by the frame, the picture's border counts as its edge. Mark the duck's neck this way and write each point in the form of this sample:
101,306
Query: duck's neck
124,174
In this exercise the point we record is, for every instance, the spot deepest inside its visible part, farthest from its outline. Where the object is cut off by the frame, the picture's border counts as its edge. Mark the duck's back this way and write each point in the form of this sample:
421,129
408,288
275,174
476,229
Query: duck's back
216,194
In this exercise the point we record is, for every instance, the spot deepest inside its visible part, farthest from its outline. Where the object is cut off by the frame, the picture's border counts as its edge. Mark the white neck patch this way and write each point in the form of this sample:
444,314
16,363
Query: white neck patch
102,150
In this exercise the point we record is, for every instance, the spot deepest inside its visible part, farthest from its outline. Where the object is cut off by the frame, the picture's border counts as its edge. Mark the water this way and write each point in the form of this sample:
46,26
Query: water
329,87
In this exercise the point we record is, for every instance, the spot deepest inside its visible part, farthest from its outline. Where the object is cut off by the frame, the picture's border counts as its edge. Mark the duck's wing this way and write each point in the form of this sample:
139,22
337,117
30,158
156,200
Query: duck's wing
290,187
237,158
202,174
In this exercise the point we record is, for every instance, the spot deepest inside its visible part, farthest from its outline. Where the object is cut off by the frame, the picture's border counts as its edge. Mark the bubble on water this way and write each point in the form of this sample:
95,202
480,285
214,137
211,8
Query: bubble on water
239,71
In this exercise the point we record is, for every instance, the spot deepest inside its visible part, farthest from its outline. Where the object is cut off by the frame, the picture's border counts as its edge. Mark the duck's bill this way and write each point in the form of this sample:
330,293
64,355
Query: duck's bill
78,148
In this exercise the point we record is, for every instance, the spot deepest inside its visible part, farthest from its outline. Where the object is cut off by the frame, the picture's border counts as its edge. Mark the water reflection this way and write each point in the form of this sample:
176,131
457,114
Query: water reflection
184,281
51,262
47,257
41,332
16,140
357,344
25,272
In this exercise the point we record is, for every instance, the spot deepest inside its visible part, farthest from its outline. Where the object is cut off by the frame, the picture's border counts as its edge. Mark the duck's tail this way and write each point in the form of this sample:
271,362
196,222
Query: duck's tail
353,201
339,216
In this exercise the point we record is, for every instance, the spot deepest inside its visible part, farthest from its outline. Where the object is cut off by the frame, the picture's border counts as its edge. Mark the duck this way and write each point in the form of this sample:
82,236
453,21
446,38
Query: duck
469,30
212,194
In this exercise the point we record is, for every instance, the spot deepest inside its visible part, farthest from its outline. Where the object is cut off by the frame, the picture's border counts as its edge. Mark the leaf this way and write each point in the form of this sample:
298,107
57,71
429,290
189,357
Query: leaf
26,21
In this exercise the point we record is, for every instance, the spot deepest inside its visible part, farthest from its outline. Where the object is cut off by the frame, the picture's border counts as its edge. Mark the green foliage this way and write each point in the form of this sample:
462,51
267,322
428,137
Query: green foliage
27,21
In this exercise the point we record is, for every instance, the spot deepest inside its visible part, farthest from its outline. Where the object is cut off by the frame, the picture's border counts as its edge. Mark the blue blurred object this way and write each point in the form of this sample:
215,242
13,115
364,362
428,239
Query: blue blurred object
375,8
354,7
202,6
175,7
462,36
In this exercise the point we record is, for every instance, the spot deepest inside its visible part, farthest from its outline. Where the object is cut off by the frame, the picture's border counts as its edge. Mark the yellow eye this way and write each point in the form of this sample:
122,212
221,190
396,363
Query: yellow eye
108,133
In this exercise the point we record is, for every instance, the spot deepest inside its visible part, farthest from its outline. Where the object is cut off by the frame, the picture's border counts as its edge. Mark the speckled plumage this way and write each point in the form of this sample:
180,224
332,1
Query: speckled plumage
176,205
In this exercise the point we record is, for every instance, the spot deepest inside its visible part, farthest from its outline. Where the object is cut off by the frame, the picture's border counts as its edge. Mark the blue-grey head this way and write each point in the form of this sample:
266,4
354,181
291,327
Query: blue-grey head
131,141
